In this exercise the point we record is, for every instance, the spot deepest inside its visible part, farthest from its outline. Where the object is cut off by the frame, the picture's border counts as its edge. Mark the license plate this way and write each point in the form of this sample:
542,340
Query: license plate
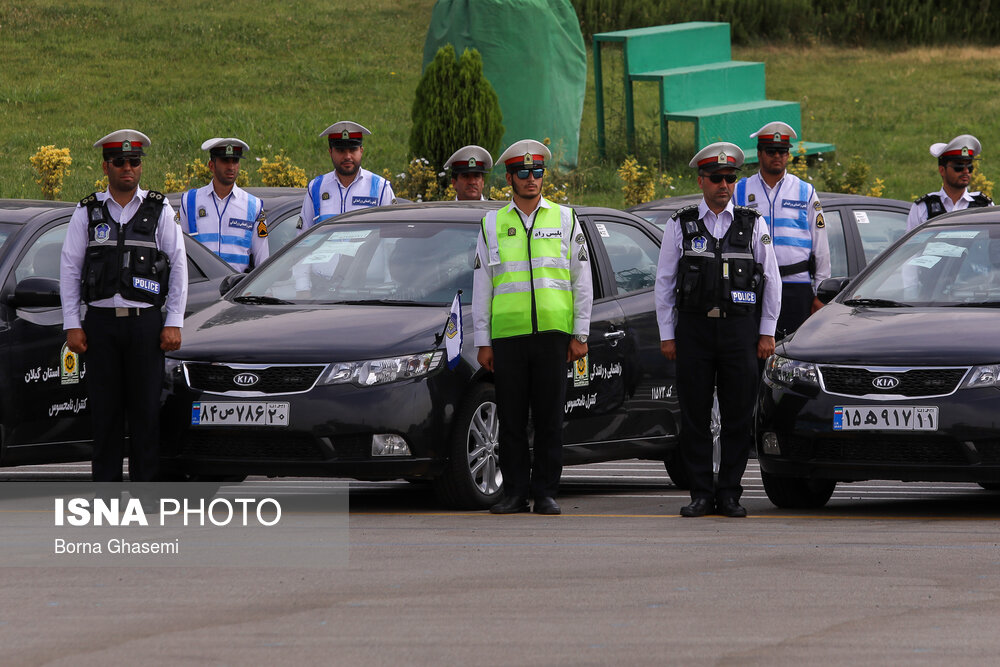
885,418
247,413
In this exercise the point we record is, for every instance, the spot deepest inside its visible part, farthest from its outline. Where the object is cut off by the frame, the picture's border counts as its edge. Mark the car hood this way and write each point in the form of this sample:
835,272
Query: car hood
897,336
291,334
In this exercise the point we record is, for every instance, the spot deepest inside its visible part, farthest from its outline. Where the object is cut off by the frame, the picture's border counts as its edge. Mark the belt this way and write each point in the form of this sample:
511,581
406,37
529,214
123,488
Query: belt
715,312
117,312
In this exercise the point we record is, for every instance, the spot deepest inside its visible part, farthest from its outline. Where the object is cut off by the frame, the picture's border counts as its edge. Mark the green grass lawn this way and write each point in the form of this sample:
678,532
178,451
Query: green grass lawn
276,73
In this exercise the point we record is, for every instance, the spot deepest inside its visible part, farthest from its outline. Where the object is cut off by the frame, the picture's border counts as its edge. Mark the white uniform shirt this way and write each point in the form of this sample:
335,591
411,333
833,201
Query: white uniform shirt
579,271
228,226
326,196
793,215
169,240
717,225
918,211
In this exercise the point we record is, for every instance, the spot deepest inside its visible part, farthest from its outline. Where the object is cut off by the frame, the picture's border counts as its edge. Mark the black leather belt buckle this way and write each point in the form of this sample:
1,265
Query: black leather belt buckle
126,312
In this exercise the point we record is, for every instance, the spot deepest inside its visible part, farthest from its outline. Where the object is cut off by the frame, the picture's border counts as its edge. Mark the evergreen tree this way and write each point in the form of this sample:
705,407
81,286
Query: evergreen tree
454,106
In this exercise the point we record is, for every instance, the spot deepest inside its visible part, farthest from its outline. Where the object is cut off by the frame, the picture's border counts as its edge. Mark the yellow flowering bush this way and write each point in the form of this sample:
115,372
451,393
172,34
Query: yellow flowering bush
196,174
280,172
638,182
420,182
52,166
979,181
101,184
797,166
851,179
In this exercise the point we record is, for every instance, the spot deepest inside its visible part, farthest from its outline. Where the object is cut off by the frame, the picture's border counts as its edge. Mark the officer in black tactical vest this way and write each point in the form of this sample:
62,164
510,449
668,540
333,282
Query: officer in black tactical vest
718,296
955,164
123,257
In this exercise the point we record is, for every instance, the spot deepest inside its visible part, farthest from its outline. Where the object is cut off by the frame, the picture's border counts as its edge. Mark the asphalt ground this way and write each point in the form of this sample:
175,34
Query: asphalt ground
887,573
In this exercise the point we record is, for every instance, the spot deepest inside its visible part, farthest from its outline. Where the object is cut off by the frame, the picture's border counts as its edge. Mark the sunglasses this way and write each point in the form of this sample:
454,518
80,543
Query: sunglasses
523,173
771,152
717,178
960,167
120,161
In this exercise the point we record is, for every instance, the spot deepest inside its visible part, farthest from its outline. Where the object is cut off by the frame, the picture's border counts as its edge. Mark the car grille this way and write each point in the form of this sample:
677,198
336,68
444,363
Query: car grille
890,448
248,445
917,382
220,378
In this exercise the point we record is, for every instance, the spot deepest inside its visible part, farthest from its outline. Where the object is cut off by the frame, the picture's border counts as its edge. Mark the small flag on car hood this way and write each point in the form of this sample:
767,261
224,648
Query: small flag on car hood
453,332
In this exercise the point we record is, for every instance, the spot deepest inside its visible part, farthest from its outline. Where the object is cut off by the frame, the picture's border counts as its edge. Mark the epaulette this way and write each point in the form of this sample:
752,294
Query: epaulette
154,195
922,200
983,198
683,211
746,209
92,197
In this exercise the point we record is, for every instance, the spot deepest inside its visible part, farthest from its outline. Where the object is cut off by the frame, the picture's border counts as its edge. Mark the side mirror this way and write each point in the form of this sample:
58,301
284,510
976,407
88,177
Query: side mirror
830,288
36,292
229,282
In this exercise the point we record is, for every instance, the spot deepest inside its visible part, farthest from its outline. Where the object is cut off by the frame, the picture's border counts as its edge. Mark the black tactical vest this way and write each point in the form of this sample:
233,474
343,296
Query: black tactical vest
936,208
124,259
716,273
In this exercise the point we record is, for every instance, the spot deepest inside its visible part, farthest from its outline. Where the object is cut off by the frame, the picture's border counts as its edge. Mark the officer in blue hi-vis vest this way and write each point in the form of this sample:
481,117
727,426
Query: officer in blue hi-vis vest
955,164
718,295
794,218
348,187
224,217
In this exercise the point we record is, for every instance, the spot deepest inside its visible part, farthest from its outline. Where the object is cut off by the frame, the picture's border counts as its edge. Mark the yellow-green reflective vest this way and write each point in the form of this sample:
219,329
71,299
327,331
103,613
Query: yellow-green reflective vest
532,289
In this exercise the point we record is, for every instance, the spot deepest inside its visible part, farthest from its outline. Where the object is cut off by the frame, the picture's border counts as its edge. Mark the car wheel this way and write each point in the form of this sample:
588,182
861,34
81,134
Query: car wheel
472,478
797,492
990,486
678,473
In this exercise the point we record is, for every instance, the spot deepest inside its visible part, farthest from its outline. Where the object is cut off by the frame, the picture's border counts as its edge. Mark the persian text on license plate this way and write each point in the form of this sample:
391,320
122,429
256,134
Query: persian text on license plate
246,413
885,418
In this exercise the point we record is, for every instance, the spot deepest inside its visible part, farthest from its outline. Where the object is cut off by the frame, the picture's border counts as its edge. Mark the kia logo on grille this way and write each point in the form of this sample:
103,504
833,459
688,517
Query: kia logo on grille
245,380
885,382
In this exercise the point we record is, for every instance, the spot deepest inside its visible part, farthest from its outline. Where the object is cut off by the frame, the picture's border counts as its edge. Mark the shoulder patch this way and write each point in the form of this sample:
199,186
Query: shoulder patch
765,239
921,200
818,206
820,223
154,195
261,229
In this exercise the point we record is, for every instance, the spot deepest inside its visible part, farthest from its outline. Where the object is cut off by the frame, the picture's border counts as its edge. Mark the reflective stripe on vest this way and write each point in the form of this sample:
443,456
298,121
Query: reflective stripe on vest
530,272
231,243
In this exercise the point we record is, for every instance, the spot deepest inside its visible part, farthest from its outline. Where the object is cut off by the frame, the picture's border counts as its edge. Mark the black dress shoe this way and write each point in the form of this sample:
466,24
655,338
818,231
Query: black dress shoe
510,505
698,507
546,505
731,507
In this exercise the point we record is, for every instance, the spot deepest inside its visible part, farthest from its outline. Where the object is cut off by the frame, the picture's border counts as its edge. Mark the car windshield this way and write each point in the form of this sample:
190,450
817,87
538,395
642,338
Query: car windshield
421,263
7,230
957,265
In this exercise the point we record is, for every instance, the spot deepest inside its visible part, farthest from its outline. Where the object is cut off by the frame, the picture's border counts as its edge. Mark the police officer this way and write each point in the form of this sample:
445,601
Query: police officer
531,302
955,164
716,268
348,186
124,257
794,217
469,166
223,216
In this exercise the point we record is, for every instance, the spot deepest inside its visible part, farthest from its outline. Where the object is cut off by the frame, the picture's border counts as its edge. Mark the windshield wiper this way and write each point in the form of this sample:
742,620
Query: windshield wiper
379,302
976,304
258,299
878,303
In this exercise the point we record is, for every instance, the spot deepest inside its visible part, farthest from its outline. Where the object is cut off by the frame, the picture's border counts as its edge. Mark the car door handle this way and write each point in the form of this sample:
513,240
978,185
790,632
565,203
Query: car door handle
614,335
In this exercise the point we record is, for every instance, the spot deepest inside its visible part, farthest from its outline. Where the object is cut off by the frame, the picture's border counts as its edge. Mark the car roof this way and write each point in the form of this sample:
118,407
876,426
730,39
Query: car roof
20,211
987,215
455,211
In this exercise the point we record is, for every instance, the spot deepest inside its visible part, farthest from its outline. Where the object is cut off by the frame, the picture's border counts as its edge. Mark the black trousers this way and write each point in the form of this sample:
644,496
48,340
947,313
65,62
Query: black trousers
530,371
716,353
796,306
124,380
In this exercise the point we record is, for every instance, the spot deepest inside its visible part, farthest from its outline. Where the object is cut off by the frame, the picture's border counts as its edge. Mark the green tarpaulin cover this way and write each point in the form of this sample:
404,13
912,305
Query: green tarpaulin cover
533,54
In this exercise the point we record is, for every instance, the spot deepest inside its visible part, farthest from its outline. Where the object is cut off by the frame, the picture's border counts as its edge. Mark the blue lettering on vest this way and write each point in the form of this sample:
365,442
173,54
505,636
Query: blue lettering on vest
242,224
794,203
146,285
741,296
364,201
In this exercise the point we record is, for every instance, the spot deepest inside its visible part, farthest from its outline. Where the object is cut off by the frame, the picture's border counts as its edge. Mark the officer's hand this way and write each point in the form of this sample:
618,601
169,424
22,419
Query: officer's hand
765,346
817,304
170,339
76,340
485,358
577,350
669,349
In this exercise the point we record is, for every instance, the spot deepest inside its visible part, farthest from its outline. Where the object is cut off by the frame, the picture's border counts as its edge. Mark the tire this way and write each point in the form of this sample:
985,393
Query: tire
678,473
990,486
472,478
797,492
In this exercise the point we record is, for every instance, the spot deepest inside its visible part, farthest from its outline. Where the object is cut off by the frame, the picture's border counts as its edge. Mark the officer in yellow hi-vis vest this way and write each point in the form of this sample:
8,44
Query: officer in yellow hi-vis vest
531,302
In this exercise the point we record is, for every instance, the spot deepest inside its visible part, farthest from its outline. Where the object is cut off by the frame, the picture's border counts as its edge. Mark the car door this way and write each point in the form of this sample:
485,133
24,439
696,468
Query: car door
874,228
629,251
46,416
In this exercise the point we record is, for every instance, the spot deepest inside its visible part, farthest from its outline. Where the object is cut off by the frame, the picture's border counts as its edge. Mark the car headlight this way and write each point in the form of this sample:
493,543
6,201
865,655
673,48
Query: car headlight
789,371
381,371
983,376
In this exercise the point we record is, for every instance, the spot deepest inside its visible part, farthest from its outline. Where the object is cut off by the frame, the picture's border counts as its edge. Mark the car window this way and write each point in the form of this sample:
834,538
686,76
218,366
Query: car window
43,257
633,255
940,266
282,230
6,231
838,245
195,274
879,230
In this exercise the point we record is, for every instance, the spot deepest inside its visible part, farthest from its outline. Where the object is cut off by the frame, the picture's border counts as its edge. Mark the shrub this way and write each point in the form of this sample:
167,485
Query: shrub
197,174
420,182
979,181
52,165
454,106
280,172
638,182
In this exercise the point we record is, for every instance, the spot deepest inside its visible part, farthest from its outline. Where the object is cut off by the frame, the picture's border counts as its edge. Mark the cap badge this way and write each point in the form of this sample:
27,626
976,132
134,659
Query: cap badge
723,159
345,135
126,145
472,162
777,136
229,149
965,151
528,160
